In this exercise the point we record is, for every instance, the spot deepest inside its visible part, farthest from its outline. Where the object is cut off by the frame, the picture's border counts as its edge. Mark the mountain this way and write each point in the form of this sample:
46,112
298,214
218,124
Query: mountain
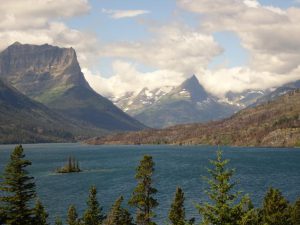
275,123
246,98
134,103
282,90
187,103
23,120
52,76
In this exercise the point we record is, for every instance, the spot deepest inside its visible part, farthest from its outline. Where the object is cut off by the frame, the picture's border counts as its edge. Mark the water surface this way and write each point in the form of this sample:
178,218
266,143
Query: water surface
112,170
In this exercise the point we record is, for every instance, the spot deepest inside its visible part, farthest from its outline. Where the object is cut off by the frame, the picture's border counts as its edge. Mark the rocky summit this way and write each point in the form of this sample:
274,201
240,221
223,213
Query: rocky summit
52,76
186,103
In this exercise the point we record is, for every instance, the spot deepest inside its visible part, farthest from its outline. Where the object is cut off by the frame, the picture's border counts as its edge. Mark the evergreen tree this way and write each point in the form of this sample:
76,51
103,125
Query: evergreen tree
177,212
58,221
93,215
250,218
224,207
118,215
72,216
142,196
18,190
276,209
40,214
296,213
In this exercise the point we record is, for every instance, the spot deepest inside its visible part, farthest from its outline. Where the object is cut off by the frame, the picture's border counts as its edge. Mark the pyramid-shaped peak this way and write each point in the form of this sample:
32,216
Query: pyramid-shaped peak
195,89
193,77
16,43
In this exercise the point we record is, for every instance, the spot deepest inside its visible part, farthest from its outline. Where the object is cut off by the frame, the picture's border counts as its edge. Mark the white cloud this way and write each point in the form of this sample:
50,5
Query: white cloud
120,14
16,14
174,47
39,22
238,79
270,34
127,78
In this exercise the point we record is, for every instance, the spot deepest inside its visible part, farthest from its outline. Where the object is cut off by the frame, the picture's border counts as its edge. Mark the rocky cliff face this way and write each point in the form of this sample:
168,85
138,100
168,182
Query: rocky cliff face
41,71
52,76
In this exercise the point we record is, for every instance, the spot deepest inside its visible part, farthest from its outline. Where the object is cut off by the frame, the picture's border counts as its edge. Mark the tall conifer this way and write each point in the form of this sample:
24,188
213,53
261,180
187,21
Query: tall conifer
142,196
296,213
224,207
18,190
118,215
276,209
72,218
93,215
40,214
58,221
177,211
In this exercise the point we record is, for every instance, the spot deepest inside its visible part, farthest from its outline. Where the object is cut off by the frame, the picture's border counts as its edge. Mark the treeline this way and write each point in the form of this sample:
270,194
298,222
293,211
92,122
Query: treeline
226,206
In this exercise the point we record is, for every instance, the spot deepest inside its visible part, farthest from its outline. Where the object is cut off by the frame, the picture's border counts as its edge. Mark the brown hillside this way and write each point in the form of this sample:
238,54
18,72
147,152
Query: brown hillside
275,124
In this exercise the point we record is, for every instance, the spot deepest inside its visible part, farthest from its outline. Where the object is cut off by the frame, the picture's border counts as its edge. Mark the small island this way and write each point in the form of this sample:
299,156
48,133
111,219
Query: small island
72,166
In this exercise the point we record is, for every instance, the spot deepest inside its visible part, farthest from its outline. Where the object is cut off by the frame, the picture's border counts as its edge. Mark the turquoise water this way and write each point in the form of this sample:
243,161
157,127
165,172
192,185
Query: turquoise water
112,170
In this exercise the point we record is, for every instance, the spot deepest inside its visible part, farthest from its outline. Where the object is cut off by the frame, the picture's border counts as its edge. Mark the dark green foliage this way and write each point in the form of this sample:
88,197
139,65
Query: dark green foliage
177,212
118,215
224,207
276,209
2,215
93,215
40,214
295,215
72,166
142,196
58,221
72,216
18,190
250,217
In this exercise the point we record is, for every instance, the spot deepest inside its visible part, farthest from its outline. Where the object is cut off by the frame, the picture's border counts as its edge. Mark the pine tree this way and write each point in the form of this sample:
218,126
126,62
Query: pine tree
118,215
18,190
276,209
250,218
296,213
40,214
58,221
177,212
93,215
142,196
72,218
2,216
224,207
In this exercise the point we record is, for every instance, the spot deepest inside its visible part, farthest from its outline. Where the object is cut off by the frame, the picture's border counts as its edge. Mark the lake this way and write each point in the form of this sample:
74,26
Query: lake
112,170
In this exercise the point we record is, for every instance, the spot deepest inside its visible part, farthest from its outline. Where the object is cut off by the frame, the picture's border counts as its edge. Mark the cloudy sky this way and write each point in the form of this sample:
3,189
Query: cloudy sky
125,45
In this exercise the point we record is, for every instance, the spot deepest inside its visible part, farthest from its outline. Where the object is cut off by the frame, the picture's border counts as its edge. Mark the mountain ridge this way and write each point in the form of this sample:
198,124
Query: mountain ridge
186,103
272,124
52,76
23,120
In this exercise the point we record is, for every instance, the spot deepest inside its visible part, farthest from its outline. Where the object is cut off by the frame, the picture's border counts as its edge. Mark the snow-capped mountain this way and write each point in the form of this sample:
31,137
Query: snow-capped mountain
187,103
243,99
271,95
190,103
133,103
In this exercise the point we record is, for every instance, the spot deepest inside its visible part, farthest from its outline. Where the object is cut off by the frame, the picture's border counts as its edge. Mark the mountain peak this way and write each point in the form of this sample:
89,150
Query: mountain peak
196,90
16,43
37,69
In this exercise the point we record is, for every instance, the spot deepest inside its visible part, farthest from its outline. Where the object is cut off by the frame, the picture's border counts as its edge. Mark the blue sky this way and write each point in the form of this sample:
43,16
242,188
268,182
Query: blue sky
126,45
161,12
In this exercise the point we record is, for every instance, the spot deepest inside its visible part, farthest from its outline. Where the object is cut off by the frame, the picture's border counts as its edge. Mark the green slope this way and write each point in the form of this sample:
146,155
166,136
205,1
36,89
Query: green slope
23,120
52,76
